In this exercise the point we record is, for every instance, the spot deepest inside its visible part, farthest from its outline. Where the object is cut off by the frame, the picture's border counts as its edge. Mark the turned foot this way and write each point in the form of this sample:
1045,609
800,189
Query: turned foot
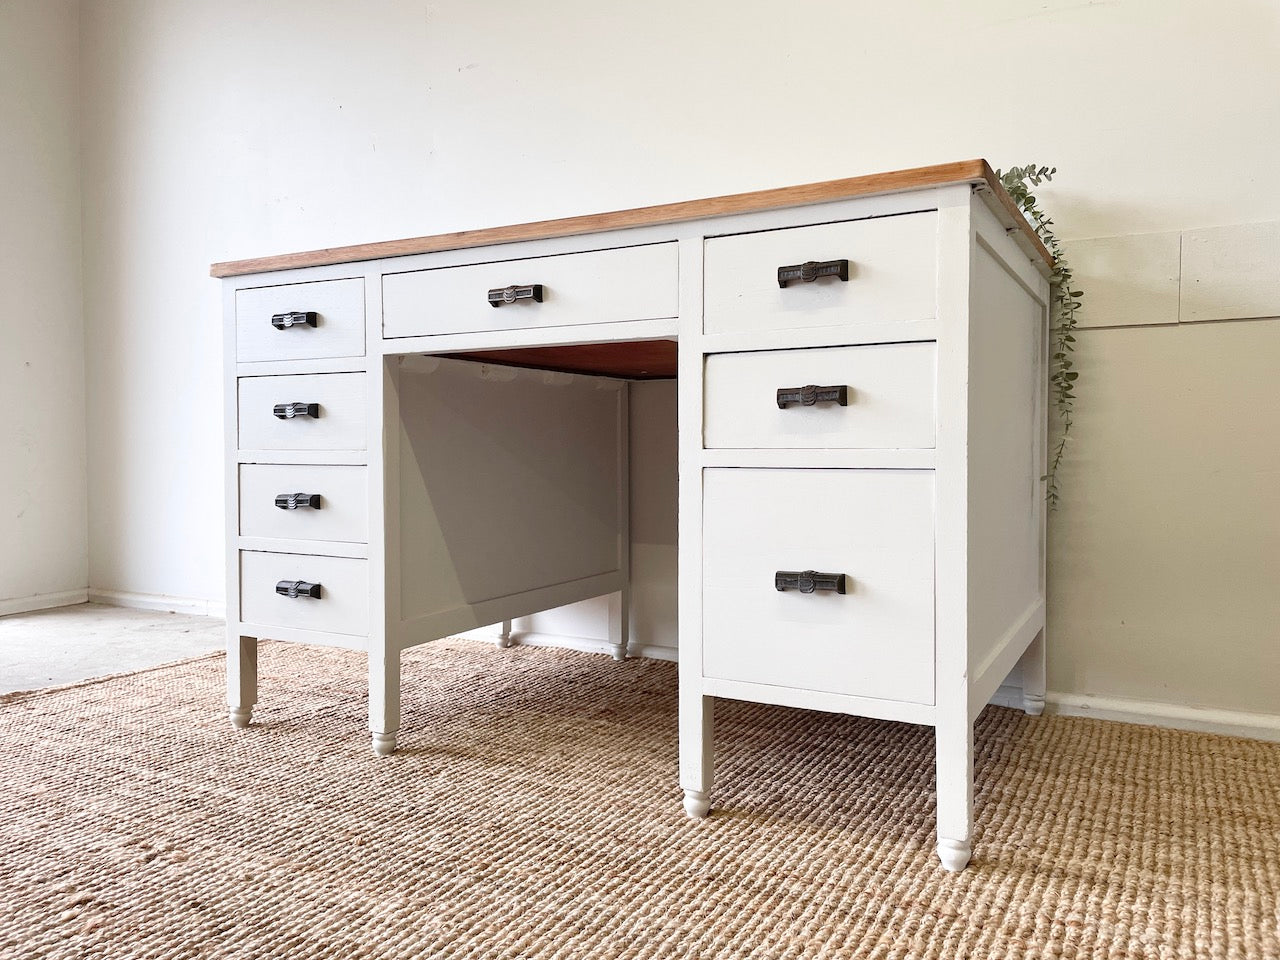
620,651
954,854
384,744
240,717
503,641
696,803
1032,704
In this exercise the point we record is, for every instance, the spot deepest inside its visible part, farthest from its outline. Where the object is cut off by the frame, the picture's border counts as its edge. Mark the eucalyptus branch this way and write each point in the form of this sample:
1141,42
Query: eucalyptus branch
1065,303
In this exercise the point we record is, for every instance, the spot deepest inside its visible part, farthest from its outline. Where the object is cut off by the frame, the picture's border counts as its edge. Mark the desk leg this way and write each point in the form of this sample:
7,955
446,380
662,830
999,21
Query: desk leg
384,699
954,745
1033,676
503,639
242,678
619,622
697,749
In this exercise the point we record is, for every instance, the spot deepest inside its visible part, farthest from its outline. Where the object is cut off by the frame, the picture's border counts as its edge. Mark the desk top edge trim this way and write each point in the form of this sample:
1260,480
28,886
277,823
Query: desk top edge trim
975,172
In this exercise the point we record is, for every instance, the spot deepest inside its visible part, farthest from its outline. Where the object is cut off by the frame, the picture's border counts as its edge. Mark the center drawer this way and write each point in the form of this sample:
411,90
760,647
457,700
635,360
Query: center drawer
879,396
602,286
304,502
873,526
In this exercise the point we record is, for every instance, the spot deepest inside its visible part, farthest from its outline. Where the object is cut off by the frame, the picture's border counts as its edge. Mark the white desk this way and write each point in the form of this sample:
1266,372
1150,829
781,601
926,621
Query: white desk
402,465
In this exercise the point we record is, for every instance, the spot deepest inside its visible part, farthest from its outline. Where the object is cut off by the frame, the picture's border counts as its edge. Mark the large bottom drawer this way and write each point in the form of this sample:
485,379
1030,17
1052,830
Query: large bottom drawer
343,604
873,526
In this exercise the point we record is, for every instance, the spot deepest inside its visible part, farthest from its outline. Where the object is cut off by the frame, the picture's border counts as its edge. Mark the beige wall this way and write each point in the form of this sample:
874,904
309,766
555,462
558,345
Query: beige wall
227,129
42,399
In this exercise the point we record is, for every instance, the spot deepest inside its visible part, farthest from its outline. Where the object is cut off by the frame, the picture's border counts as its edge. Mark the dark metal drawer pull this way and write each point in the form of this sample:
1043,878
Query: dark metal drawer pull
810,394
294,318
287,411
292,501
811,270
807,581
500,295
298,588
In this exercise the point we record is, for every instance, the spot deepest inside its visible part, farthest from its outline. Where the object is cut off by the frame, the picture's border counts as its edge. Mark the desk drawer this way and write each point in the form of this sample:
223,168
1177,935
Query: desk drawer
339,405
336,306
888,398
873,526
343,604
892,274
341,513
604,286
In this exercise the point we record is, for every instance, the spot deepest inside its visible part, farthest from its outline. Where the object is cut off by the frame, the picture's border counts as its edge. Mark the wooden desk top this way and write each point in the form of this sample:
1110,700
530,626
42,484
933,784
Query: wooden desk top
975,172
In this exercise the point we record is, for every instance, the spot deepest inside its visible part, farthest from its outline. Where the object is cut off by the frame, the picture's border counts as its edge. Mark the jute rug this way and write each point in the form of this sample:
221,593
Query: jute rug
532,811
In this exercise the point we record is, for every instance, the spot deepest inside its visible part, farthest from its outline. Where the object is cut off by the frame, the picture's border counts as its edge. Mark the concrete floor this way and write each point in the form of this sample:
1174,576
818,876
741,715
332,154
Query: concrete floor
53,647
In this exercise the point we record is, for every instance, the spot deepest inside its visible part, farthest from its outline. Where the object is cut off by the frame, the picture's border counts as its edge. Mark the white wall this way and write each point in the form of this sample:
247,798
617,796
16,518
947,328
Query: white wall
42,401
228,129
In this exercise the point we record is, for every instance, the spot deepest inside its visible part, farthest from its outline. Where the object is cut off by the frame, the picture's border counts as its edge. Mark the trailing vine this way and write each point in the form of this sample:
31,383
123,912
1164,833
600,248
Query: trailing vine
1066,302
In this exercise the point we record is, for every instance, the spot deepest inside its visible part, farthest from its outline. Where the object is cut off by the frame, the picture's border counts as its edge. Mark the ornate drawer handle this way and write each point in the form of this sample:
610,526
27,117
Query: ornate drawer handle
807,581
811,270
287,411
294,318
298,588
500,295
810,394
293,501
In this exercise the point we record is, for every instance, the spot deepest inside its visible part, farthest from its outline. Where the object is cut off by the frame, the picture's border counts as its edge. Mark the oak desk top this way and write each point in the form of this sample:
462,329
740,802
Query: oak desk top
975,172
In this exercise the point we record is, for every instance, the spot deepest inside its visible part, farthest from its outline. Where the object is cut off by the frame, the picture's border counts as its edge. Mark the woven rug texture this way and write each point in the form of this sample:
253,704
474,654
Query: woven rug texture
532,811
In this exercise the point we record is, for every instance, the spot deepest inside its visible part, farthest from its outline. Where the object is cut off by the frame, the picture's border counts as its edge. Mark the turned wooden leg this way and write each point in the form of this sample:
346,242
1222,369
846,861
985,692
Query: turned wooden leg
503,639
242,678
619,622
954,740
697,751
1033,676
384,700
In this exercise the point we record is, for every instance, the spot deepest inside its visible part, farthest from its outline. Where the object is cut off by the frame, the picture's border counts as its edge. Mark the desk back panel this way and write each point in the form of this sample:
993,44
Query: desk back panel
509,482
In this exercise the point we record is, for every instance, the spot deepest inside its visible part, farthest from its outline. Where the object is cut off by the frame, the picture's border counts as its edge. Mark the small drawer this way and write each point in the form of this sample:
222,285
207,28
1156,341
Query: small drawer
343,604
892,275
603,286
879,396
300,321
873,526
304,502
324,411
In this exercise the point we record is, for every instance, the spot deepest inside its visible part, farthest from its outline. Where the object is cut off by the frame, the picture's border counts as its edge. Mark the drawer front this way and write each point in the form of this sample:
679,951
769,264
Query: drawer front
343,605
342,513
888,398
340,408
892,275
873,526
339,321
604,286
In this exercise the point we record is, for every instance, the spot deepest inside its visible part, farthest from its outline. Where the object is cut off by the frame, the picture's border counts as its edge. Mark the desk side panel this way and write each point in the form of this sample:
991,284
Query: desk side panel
1007,333
508,483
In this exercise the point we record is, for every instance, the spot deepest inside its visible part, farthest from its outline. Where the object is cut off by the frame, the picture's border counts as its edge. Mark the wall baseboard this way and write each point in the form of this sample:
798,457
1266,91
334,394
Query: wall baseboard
1235,723
157,601
43,601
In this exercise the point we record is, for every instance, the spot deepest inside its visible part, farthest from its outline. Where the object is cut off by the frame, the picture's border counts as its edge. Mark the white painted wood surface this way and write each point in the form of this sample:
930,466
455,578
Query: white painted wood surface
890,398
873,526
340,426
343,513
343,606
1128,281
1231,272
508,482
493,493
339,329
603,286
891,275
